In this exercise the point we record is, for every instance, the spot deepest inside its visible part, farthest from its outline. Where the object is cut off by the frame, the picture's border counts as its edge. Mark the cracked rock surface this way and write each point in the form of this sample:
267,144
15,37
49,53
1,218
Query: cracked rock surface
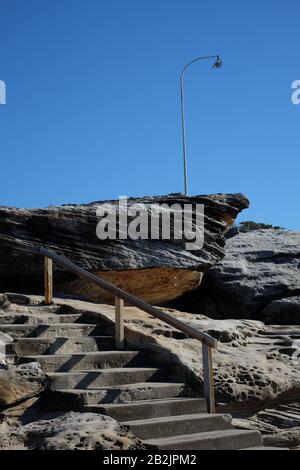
71,431
259,278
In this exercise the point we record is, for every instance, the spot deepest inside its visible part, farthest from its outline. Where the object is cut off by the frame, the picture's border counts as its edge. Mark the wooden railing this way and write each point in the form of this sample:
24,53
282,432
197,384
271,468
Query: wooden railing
208,343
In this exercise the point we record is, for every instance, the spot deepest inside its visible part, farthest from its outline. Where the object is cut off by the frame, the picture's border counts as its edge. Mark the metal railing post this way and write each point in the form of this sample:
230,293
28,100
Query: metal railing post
119,323
208,378
48,280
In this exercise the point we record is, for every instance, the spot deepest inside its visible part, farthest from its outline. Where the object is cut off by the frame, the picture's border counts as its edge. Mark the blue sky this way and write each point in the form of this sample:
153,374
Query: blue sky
93,101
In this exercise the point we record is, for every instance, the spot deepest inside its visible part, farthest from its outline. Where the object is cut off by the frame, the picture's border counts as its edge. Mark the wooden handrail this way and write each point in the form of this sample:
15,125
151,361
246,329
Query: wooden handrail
208,342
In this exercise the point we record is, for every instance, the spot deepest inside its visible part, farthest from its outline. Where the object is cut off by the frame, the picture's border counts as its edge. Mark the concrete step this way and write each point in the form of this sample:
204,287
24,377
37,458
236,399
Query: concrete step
104,377
37,319
87,360
145,409
118,394
227,439
54,330
178,425
60,345
265,448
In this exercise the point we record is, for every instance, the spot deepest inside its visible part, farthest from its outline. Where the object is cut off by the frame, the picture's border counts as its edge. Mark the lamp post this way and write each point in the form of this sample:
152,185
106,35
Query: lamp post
218,64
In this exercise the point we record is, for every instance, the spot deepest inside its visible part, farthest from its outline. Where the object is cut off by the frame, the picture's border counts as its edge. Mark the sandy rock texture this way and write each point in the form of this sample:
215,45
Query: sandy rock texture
155,270
71,431
258,279
279,425
20,382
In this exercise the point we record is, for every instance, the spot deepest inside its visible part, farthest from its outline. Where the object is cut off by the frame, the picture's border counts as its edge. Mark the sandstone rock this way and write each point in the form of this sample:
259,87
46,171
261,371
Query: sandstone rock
72,431
251,365
10,438
256,279
20,382
283,312
156,270
280,425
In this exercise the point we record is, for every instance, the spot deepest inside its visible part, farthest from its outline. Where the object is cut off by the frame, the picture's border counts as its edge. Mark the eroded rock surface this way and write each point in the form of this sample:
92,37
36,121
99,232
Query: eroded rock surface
280,425
259,278
71,431
156,270
20,382
285,311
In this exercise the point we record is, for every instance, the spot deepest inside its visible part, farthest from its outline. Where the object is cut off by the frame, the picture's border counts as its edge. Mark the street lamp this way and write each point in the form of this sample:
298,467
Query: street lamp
217,65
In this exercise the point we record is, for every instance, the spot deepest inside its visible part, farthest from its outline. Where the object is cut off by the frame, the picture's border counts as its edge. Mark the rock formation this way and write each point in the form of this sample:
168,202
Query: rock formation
279,425
20,382
258,278
71,431
155,270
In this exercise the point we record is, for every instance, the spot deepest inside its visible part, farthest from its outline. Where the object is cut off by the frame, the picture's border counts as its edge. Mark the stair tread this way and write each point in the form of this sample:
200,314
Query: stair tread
265,448
46,340
206,435
174,418
106,371
59,324
157,401
143,404
88,353
126,386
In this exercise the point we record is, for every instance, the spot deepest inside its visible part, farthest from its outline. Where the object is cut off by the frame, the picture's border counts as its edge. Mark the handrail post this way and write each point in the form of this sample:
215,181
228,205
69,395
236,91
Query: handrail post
119,323
208,378
48,280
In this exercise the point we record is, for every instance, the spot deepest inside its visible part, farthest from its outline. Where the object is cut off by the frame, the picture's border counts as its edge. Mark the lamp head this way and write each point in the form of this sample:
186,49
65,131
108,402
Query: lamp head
218,64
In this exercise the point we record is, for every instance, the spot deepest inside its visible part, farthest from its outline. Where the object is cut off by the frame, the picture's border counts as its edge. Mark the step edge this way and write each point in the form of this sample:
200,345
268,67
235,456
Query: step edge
203,436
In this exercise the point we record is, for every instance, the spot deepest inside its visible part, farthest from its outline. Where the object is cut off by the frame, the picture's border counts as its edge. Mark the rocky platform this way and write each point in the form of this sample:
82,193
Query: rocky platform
155,270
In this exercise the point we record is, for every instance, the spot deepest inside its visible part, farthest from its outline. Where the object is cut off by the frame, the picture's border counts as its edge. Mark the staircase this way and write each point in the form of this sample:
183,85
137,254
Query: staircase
89,374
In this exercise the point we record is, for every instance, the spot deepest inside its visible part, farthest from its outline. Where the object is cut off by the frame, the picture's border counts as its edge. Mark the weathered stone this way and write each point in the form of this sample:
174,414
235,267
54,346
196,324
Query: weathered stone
156,270
280,425
20,382
256,279
283,312
71,431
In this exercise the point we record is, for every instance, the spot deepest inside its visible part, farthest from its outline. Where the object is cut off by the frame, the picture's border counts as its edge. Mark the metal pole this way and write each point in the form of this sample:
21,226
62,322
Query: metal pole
217,64
183,136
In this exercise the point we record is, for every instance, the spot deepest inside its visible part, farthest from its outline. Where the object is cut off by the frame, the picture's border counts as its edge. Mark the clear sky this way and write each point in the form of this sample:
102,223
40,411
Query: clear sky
93,107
